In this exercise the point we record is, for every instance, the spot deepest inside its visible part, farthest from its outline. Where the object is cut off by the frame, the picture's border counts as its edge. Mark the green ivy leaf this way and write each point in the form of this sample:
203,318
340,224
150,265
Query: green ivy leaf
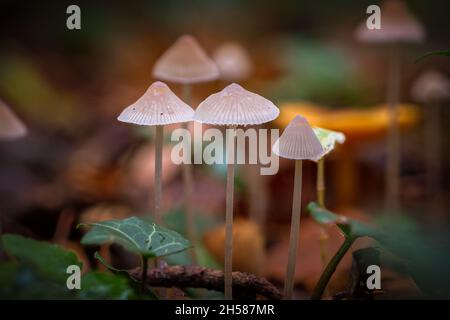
48,260
146,239
349,227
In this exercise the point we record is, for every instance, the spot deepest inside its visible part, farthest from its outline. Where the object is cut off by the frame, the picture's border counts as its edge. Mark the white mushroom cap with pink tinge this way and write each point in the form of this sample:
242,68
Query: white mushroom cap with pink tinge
235,106
298,141
185,62
233,61
158,106
431,86
11,127
398,24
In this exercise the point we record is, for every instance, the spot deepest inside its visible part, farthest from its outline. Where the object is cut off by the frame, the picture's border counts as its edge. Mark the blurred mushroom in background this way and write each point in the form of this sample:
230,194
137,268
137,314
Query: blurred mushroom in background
233,61
398,26
431,89
11,127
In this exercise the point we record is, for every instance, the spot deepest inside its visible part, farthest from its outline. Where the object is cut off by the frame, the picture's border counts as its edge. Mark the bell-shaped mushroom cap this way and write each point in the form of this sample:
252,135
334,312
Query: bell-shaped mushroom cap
235,106
185,62
11,127
233,61
158,106
298,141
328,139
431,86
398,24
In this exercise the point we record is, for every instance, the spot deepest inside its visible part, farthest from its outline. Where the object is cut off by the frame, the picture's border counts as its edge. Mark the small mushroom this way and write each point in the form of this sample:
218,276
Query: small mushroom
11,127
398,26
233,106
233,61
186,62
158,106
298,142
431,88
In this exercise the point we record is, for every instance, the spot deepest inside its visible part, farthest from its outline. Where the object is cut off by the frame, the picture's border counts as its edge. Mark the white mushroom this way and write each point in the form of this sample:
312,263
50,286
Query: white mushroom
233,106
298,142
157,107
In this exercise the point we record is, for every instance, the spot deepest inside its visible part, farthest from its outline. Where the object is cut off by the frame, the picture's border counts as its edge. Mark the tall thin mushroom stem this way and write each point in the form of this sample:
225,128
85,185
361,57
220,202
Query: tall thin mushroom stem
158,172
295,231
229,215
159,139
393,155
188,180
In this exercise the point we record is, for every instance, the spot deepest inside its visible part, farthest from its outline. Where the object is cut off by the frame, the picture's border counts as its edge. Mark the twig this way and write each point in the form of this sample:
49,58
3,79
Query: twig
245,285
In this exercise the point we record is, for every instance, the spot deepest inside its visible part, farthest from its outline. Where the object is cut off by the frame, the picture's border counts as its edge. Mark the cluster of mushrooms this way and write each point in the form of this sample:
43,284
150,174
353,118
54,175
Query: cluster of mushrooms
187,63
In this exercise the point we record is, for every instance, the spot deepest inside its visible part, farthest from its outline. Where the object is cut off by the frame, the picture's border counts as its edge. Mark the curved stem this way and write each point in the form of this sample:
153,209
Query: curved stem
331,268
229,217
295,231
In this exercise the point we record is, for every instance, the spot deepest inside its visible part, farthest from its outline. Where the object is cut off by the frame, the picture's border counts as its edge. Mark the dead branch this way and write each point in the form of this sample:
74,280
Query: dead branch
245,285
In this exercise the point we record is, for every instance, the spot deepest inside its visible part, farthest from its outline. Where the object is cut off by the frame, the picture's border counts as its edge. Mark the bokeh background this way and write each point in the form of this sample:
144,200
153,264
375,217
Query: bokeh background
79,162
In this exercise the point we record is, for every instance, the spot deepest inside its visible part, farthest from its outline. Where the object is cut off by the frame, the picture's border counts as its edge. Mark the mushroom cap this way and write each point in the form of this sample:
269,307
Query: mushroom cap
431,86
233,61
185,62
158,106
298,141
398,24
235,106
11,127
328,139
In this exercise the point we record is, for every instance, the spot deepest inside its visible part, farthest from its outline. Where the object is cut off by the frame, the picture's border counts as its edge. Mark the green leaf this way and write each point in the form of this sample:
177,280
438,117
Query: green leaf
48,260
146,239
349,227
100,285
435,53
328,139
